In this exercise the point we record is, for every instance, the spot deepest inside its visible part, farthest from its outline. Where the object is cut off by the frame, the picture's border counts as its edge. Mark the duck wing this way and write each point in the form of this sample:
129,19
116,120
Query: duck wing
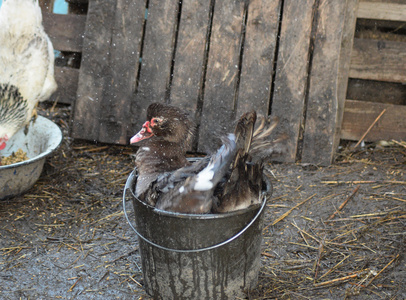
186,193
245,182
237,190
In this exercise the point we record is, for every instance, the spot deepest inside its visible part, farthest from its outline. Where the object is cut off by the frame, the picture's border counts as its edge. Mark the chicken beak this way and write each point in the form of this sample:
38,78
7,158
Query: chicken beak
3,142
144,133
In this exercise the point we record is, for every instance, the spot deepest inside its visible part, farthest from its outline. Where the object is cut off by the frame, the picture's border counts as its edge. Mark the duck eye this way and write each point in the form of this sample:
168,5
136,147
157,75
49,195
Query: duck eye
156,122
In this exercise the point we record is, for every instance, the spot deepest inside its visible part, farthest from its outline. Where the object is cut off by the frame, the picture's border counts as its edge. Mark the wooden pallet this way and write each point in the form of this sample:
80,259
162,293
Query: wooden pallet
67,35
215,59
377,73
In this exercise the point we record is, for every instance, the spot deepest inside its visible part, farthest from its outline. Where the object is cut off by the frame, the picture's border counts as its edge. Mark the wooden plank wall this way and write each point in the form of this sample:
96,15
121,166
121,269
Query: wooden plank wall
377,73
217,59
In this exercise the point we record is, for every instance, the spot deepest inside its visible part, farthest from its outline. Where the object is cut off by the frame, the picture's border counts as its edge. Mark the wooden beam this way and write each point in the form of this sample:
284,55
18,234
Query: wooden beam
382,11
292,71
378,60
94,69
46,5
328,80
218,113
120,79
359,115
67,80
155,73
190,57
65,31
259,55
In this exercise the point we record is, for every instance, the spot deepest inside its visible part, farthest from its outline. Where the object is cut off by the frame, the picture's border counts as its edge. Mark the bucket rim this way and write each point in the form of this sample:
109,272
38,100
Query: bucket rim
133,177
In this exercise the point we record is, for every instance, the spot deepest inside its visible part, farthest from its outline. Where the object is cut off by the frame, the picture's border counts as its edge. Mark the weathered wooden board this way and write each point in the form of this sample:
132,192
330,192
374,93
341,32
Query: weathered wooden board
292,71
94,67
46,5
261,32
155,73
376,91
67,80
378,60
382,11
219,103
328,80
359,115
65,31
191,56
121,78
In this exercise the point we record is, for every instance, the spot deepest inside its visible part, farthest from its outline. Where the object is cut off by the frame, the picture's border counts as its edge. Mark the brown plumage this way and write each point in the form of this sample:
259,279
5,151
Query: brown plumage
228,180
191,189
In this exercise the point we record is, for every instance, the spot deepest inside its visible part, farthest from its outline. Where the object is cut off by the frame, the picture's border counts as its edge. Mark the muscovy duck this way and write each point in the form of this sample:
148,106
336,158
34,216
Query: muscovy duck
230,179
169,133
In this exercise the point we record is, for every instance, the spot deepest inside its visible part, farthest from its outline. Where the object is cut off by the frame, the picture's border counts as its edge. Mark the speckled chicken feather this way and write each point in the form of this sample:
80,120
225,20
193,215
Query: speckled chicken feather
13,106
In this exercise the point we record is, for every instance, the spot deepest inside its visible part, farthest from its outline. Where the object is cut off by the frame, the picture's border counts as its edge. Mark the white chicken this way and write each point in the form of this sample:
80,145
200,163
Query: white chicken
26,65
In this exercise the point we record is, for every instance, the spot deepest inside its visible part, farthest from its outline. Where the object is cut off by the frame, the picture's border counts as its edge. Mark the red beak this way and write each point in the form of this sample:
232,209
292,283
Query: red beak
144,133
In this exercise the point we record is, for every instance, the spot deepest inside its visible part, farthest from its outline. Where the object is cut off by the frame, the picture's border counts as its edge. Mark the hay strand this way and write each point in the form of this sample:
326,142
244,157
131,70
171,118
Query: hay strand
290,210
344,203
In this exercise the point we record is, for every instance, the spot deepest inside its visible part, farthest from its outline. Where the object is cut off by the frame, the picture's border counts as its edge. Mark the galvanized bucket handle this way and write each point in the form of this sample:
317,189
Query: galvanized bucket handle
127,186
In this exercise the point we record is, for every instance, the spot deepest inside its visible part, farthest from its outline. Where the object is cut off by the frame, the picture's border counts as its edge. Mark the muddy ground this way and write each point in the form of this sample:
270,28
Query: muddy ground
67,237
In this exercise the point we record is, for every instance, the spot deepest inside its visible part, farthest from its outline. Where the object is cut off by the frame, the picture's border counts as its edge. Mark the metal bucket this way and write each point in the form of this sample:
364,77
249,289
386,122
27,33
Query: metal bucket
190,256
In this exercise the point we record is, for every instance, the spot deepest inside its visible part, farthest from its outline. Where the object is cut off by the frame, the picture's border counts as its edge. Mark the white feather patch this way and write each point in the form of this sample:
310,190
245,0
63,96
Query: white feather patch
203,179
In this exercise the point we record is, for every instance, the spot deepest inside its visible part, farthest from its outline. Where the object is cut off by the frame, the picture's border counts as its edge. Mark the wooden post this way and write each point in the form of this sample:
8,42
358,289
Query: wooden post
218,112
94,68
108,72
292,72
254,90
155,73
121,78
328,80
67,34
190,58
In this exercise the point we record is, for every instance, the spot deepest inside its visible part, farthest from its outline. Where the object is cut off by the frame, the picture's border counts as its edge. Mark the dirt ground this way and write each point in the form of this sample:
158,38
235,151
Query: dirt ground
335,232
